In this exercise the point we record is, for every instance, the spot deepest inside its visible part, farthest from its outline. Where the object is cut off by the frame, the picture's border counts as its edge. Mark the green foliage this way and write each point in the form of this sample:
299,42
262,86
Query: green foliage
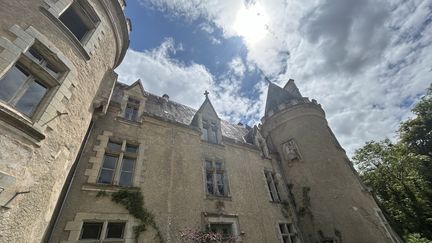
133,201
416,238
400,174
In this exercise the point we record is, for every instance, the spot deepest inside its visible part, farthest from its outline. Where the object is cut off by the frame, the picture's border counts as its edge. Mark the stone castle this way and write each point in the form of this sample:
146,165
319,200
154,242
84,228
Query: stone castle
72,136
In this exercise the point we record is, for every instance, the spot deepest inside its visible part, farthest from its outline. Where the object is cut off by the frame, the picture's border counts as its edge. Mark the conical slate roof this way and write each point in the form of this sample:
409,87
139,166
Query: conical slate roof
277,95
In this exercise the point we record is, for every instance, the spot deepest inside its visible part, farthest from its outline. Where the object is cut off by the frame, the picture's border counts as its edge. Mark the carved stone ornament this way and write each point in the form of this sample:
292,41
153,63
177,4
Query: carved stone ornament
290,151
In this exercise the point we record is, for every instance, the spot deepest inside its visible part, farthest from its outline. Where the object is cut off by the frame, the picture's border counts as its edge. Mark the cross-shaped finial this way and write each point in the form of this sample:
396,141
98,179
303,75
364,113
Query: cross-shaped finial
206,93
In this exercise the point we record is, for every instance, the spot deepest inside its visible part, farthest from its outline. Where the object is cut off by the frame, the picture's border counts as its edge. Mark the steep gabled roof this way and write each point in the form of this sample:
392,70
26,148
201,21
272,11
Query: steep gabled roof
276,95
137,83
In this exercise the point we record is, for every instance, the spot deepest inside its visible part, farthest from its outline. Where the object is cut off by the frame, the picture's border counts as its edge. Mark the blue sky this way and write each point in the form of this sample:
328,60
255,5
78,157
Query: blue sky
367,62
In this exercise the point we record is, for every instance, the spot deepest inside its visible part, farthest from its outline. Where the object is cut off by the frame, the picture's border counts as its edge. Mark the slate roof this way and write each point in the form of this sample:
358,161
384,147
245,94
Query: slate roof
276,96
176,112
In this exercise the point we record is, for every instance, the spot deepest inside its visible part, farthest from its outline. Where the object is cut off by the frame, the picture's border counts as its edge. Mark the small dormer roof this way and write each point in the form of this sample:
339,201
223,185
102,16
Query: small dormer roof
205,108
137,84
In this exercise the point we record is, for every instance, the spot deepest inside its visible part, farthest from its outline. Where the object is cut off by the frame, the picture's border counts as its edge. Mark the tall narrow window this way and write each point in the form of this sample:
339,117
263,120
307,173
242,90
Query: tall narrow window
80,19
272,186
131,111
287,233
119,164
24,86
209,131
216,181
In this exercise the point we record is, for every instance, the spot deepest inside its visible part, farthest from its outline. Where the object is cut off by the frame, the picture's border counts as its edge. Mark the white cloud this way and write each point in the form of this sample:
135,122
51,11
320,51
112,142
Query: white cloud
161,74
186,84
361,59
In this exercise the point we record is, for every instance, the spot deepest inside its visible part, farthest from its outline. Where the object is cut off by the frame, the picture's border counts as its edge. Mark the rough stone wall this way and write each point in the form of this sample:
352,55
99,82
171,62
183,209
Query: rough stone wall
331,201
171,179
40,168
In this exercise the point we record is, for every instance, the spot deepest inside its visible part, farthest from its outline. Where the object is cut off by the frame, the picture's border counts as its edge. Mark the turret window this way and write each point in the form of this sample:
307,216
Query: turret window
80,20
28,82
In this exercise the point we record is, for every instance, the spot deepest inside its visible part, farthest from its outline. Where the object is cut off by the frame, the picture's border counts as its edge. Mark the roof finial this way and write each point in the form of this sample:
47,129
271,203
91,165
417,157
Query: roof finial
206,93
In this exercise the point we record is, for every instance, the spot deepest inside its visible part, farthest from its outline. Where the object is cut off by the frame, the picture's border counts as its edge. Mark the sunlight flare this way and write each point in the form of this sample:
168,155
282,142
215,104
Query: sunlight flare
251,23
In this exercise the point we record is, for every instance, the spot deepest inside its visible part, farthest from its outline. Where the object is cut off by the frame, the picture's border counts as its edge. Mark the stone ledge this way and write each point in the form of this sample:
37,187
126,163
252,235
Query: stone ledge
21,123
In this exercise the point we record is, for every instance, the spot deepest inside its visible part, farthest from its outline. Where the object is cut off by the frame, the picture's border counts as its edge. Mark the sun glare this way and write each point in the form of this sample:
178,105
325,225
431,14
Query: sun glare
251,23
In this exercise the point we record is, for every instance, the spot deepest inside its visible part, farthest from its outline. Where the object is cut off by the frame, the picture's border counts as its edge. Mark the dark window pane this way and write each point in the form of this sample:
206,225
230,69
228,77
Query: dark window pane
219,166
209,182
31,98
91,231
73,21
110,162
285,239
125,179
52,70
114,146
115,230
220,184
283,229
35,55
131,113
11,82
128,164
209,165
131,148
106,176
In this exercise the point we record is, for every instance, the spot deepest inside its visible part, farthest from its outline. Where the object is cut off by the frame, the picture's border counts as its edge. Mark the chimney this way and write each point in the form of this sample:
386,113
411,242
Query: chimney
165,96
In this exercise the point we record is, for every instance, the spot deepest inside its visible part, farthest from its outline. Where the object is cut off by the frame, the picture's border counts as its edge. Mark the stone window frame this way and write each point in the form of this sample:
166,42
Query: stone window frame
53,11
10,53
121,155
385,224
214,172
274,185
74,227
211,218
210,125
36,72
124,104
96,161
288,234
104,231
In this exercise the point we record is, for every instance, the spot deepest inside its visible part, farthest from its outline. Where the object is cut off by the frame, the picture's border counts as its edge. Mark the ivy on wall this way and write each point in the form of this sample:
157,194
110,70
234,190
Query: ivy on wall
133,201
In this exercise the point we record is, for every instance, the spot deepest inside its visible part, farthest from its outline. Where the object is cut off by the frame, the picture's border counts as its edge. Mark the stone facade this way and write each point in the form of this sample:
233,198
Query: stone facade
38,149
89,136
288,171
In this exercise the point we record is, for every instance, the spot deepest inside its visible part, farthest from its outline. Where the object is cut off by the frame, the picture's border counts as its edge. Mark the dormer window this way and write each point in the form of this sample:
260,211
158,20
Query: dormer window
131,111
209,130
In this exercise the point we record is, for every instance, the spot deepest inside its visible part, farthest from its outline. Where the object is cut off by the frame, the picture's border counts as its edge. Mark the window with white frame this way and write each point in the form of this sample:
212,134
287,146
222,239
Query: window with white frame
272,185
210,131
118,164
29,81
102,231
131,111
216,179
288,233
80,19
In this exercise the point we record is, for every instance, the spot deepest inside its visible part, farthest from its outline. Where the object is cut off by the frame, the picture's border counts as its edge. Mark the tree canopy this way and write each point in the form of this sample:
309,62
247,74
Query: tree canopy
400,174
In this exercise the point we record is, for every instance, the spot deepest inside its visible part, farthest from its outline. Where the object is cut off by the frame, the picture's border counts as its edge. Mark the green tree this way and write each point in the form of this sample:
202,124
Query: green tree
400,174
416,133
